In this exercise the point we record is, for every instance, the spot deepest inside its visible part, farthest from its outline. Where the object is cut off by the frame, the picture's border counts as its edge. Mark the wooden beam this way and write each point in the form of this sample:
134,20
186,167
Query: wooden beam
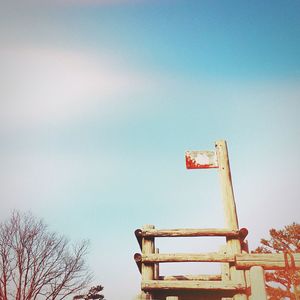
269,261
224,266
258,287
190,232
156,266
184,257
231,219
148,247
226,185
149,285
202,277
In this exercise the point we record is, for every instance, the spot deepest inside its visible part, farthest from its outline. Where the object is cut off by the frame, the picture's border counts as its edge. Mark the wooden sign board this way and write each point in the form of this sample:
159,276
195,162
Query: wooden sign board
201,160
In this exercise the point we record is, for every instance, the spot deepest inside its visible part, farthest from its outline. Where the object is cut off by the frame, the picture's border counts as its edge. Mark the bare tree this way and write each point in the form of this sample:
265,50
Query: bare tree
38,264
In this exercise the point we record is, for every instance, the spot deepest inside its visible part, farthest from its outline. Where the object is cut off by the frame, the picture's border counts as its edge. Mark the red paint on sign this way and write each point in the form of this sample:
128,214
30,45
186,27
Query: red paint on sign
192,164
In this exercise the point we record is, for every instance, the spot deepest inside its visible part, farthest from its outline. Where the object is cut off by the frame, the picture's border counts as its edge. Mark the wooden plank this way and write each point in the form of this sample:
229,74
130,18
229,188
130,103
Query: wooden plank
186,257
201,159
203,277
269,261
191,232
258,287
149,285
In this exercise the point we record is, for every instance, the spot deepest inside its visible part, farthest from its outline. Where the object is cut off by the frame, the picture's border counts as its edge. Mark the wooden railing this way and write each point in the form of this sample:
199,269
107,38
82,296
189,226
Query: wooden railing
242,274
251,266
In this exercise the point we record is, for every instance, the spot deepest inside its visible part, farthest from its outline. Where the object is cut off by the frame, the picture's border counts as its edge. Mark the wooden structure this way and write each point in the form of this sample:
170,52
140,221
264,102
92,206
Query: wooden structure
242,276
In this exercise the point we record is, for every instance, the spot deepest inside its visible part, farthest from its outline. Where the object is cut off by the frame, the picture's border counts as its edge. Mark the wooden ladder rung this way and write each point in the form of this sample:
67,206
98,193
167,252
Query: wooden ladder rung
190,232
184,257
150,285
202,277
269,261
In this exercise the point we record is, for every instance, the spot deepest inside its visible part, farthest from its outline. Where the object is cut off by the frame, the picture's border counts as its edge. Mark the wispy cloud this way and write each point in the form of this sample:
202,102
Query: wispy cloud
52,85
48,3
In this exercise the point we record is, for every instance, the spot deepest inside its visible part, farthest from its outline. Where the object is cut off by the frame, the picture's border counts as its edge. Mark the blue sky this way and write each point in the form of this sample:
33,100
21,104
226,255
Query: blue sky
100,100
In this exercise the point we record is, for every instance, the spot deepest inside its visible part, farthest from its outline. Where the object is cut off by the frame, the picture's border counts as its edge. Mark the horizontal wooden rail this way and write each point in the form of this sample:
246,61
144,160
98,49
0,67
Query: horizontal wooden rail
183,257
204,277
269,261
150,285
188,232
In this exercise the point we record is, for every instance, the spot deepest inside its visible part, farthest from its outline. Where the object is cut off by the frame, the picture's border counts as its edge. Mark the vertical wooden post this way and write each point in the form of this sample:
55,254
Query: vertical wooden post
224,266
156,267
224,269
245,250
226,186
148,247
234,246
257,280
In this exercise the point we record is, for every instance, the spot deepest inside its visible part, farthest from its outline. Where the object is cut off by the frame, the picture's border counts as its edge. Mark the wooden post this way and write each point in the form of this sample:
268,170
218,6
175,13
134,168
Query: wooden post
258,287
156,267
234,246
226,186
224,266
148,247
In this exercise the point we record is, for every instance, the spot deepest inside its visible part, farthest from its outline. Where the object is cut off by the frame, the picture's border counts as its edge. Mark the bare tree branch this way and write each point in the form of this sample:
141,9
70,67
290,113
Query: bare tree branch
38,264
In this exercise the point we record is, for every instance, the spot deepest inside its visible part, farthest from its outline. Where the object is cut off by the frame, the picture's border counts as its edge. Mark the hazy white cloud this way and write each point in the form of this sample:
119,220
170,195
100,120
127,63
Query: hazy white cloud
52,3
53,85
100,2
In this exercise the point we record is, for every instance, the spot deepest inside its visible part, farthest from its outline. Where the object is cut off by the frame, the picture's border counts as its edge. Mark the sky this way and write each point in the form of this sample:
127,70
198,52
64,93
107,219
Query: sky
99,100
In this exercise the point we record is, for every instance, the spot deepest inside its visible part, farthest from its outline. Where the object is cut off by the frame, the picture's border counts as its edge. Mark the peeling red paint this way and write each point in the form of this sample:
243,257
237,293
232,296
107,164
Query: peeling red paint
192,164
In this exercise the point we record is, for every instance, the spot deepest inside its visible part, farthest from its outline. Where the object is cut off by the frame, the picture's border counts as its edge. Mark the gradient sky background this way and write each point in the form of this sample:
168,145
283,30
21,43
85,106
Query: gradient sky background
100,100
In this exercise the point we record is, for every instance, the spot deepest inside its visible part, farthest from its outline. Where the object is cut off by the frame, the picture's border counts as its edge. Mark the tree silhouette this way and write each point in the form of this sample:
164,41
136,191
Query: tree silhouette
282,284
93,293
38,264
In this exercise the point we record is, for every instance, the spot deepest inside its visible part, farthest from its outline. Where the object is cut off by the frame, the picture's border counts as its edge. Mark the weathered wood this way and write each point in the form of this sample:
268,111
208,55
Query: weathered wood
269,261
226,186
258,287
247,272
203,277
233,245
191,232
149,285
185,257
156,266
200,159
148,247
224,266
